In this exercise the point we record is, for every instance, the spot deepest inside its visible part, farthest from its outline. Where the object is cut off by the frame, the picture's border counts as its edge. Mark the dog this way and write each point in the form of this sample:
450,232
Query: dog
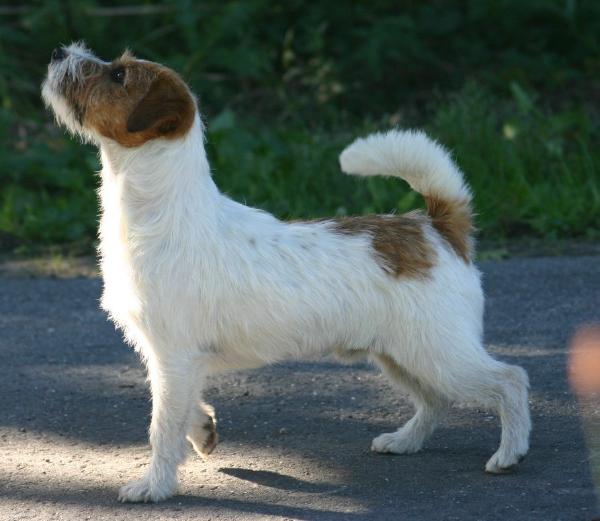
201,284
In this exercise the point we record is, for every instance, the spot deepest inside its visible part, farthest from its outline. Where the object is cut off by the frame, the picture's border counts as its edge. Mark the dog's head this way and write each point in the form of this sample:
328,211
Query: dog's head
127,100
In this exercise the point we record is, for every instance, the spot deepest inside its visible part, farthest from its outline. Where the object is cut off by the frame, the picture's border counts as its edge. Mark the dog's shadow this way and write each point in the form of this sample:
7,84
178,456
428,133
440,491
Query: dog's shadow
267,478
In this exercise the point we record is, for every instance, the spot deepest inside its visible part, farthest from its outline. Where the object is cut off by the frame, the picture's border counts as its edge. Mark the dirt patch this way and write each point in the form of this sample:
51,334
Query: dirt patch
56,266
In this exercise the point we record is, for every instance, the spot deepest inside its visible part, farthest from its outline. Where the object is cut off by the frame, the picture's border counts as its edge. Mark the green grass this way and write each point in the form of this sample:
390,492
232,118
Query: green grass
509,85
48,182
533,173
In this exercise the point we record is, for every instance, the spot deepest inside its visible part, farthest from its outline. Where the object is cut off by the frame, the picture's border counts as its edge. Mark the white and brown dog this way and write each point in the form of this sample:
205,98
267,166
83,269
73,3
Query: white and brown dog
201,284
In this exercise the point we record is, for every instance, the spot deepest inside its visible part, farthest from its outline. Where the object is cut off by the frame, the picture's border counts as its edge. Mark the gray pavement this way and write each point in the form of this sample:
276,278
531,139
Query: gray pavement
74,410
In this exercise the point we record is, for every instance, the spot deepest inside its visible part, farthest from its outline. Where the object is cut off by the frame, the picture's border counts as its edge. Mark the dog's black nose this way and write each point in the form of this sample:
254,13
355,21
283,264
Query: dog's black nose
58,54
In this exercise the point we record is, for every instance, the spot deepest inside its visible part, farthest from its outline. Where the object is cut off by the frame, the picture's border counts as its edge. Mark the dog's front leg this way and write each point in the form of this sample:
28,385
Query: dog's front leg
174,386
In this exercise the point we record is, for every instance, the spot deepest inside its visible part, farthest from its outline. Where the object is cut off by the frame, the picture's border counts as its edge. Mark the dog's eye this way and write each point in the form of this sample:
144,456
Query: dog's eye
118,75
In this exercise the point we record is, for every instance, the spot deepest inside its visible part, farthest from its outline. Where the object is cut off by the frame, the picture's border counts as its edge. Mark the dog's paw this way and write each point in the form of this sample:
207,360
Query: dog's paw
204,438
503,463
398,442
145,490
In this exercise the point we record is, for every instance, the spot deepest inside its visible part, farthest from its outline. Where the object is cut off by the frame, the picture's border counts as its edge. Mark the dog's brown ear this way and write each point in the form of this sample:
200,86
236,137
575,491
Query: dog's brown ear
167,109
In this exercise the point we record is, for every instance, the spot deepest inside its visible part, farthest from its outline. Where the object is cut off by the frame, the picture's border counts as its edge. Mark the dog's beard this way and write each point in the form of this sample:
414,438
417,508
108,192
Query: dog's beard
65,76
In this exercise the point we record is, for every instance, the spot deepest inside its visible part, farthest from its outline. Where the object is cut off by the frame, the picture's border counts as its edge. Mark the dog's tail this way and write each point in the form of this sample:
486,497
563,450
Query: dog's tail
427,167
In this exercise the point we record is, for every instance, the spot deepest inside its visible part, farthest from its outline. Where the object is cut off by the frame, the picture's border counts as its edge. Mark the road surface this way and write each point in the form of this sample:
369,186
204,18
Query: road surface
295,437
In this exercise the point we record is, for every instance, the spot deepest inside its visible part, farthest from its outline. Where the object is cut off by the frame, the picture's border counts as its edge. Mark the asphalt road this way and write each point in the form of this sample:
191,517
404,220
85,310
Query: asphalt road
295,443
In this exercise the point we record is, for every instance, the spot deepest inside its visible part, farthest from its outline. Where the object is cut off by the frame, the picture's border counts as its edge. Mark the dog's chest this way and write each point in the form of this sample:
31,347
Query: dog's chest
121,296
127,292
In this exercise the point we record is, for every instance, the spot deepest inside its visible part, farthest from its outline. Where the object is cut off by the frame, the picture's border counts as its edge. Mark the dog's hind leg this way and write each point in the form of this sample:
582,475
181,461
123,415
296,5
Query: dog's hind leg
474,378
507,390
174,388
496,385
430,407
202,431
478,378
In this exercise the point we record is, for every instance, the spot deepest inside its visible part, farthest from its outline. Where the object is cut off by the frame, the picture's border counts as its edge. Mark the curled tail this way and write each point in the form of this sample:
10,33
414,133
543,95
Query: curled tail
427,167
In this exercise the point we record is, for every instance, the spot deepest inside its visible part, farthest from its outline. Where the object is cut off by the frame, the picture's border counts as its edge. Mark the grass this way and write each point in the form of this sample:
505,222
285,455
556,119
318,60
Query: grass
533,174
285,86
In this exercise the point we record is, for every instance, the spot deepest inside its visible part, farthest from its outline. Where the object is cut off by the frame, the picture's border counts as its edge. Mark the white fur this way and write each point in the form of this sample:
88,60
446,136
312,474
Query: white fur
201,284
68,69
423,163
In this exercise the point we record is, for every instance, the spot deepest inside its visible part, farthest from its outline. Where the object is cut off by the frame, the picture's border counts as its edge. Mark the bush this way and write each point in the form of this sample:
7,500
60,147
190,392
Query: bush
506,84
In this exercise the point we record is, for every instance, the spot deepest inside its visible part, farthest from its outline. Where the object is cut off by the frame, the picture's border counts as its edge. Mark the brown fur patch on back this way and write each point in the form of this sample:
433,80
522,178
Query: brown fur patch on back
453,221
399,241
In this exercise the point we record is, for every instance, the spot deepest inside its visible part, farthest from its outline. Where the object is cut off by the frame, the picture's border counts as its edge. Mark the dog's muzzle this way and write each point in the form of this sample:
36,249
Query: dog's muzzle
68,71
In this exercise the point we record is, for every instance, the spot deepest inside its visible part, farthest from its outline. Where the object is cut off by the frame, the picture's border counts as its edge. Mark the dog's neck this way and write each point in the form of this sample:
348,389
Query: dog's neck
153,194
